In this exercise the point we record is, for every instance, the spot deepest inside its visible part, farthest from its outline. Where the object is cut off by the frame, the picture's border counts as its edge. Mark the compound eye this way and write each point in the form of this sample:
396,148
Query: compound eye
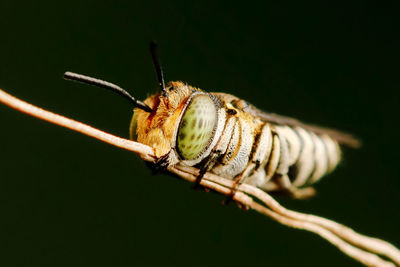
196,127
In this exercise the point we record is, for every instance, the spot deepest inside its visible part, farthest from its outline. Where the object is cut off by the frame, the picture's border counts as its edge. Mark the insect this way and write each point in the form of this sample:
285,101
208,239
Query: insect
222,134
227,136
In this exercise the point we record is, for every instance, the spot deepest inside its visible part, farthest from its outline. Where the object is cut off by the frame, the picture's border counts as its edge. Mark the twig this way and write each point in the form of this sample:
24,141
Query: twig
302,221
357,246
145,151
374,245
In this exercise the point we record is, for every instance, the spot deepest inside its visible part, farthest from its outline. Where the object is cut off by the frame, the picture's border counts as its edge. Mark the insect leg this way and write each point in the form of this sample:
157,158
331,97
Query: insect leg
205,166
280,185
162,163
259,158
203,170
302,193
219,150
238,181
280,180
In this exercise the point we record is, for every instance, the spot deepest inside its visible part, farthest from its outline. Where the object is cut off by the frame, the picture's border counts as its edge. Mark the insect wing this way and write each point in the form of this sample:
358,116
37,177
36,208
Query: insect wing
340,137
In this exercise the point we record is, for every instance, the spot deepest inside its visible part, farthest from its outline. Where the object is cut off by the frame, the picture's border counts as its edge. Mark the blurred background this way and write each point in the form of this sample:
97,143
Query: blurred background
69,200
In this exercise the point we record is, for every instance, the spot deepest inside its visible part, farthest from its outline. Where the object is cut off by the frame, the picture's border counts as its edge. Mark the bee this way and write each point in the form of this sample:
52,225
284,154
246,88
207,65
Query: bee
225,135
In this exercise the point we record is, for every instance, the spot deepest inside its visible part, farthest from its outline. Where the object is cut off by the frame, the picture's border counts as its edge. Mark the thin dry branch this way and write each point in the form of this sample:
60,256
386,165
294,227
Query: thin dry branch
362,248
345,239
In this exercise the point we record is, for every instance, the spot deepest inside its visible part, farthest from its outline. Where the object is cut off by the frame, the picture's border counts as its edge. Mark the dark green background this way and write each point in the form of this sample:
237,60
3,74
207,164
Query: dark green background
69,200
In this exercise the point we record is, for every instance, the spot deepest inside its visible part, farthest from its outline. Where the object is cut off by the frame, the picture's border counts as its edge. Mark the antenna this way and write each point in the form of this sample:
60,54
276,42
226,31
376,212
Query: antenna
157,66
110,86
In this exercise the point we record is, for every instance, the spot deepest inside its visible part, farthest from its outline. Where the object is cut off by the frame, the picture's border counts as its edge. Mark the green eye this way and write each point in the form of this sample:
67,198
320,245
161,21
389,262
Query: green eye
196,127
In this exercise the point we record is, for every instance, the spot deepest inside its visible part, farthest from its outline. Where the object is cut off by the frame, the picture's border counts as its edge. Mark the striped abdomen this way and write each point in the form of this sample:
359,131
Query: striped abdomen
273,157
